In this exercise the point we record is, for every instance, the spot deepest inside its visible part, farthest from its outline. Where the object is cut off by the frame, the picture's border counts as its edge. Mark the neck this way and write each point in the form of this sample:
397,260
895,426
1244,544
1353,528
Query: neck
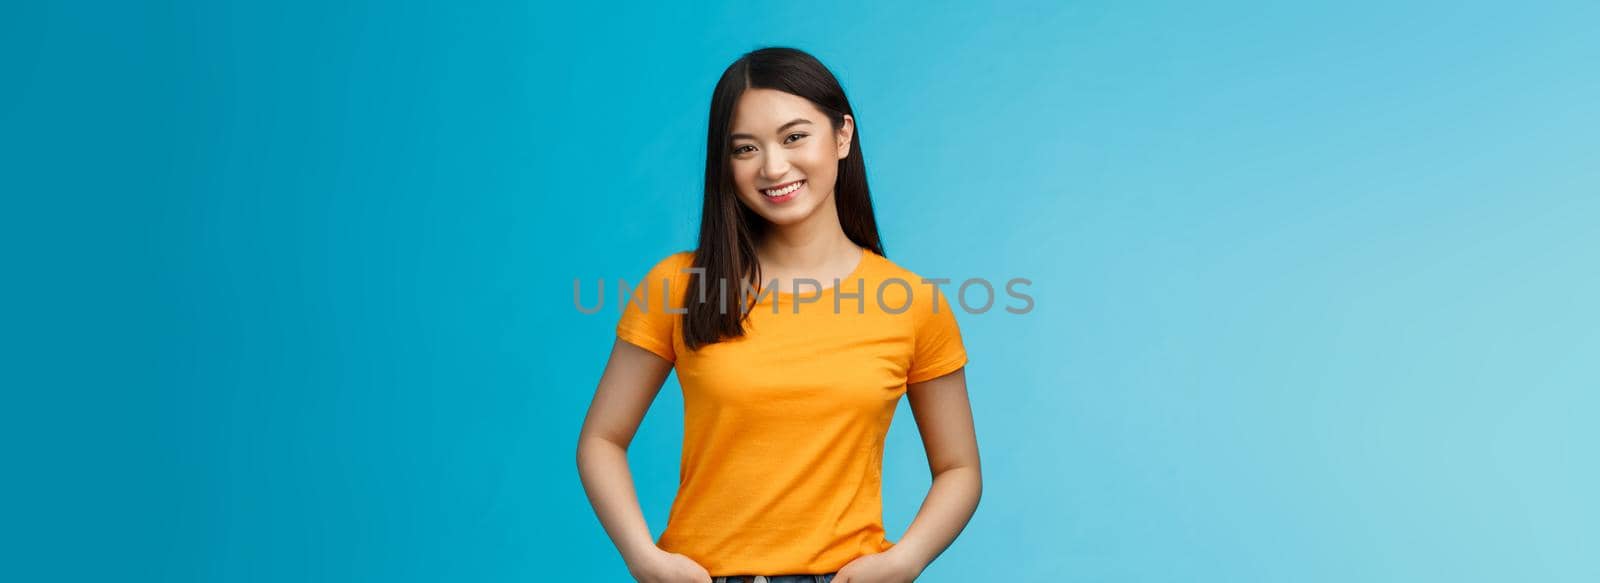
815,242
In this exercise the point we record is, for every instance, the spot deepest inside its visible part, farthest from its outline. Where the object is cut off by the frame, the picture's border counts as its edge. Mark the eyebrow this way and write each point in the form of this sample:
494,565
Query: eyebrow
795,121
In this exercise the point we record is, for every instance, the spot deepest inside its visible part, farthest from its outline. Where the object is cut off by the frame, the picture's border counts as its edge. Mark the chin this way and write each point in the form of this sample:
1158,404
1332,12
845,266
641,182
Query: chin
786,220
789,215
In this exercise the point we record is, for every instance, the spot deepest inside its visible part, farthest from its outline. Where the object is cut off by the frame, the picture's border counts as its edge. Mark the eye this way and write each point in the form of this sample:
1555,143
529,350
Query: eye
794,135
739,149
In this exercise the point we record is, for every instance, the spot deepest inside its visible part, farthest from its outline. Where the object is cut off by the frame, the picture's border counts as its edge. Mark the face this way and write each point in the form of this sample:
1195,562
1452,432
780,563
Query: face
784,155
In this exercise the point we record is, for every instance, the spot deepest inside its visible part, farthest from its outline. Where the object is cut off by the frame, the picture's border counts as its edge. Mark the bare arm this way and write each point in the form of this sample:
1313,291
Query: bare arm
944,417
632,378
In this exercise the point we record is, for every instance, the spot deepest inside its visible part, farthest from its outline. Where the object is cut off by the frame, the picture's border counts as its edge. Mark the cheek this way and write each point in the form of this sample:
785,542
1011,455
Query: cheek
743,174
821,164
820,159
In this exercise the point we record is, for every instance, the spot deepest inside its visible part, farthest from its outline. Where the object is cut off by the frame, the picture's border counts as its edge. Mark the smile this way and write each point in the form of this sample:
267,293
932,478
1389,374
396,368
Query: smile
784,191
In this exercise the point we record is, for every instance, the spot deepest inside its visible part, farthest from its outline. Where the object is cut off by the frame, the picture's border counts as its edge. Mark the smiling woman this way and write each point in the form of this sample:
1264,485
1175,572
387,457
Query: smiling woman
779,119
807,157
785,412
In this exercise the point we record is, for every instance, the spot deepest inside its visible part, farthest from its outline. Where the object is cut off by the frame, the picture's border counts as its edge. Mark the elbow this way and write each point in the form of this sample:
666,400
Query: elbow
587,443
977,483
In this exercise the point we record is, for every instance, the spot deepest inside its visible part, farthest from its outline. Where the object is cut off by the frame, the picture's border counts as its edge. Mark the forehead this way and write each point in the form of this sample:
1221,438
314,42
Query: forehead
761,111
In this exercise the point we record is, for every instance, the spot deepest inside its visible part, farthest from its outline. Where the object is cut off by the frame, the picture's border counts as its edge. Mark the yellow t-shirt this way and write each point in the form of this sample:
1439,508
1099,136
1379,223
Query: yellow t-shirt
784,427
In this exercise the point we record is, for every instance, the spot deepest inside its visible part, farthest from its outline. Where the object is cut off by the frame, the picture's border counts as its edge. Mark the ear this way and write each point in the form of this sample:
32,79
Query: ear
846,133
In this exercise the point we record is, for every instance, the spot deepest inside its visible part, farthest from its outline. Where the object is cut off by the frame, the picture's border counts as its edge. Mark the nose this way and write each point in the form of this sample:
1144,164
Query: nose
774,167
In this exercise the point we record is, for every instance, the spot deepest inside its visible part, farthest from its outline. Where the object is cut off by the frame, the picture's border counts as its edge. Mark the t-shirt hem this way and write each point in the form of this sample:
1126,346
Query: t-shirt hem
644,341
938,370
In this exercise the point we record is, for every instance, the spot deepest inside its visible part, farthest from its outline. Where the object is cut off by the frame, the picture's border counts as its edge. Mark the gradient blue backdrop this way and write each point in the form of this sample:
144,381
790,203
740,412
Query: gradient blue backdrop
288,290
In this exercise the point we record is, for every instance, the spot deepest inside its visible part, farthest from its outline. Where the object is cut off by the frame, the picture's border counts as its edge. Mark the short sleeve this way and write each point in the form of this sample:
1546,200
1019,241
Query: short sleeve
646,321
937,348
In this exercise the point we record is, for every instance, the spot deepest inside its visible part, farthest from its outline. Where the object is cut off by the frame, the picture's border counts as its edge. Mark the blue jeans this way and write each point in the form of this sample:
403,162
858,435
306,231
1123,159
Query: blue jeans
775,579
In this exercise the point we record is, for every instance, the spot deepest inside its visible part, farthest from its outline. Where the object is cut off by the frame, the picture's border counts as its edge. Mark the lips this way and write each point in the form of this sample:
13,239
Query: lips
783,191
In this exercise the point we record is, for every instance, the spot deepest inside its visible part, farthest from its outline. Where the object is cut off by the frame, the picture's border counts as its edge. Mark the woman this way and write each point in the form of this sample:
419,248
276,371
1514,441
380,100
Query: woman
793,338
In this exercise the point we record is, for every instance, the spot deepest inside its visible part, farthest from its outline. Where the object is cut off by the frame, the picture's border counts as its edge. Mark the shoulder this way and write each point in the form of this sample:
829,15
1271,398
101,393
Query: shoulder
888,269
670,270
921,293
671,263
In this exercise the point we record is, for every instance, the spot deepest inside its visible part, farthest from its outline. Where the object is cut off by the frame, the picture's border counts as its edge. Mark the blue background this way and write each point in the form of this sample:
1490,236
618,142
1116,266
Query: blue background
288,290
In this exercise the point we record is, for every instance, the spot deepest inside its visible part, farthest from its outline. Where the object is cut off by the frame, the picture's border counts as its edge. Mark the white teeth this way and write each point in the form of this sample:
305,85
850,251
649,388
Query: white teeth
785,190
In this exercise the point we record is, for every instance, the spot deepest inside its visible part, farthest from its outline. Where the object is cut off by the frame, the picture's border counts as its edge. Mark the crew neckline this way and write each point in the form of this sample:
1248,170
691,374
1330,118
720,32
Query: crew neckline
861,265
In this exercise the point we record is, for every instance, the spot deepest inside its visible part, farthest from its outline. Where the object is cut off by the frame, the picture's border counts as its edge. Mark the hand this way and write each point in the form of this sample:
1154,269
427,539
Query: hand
661,566
885,567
